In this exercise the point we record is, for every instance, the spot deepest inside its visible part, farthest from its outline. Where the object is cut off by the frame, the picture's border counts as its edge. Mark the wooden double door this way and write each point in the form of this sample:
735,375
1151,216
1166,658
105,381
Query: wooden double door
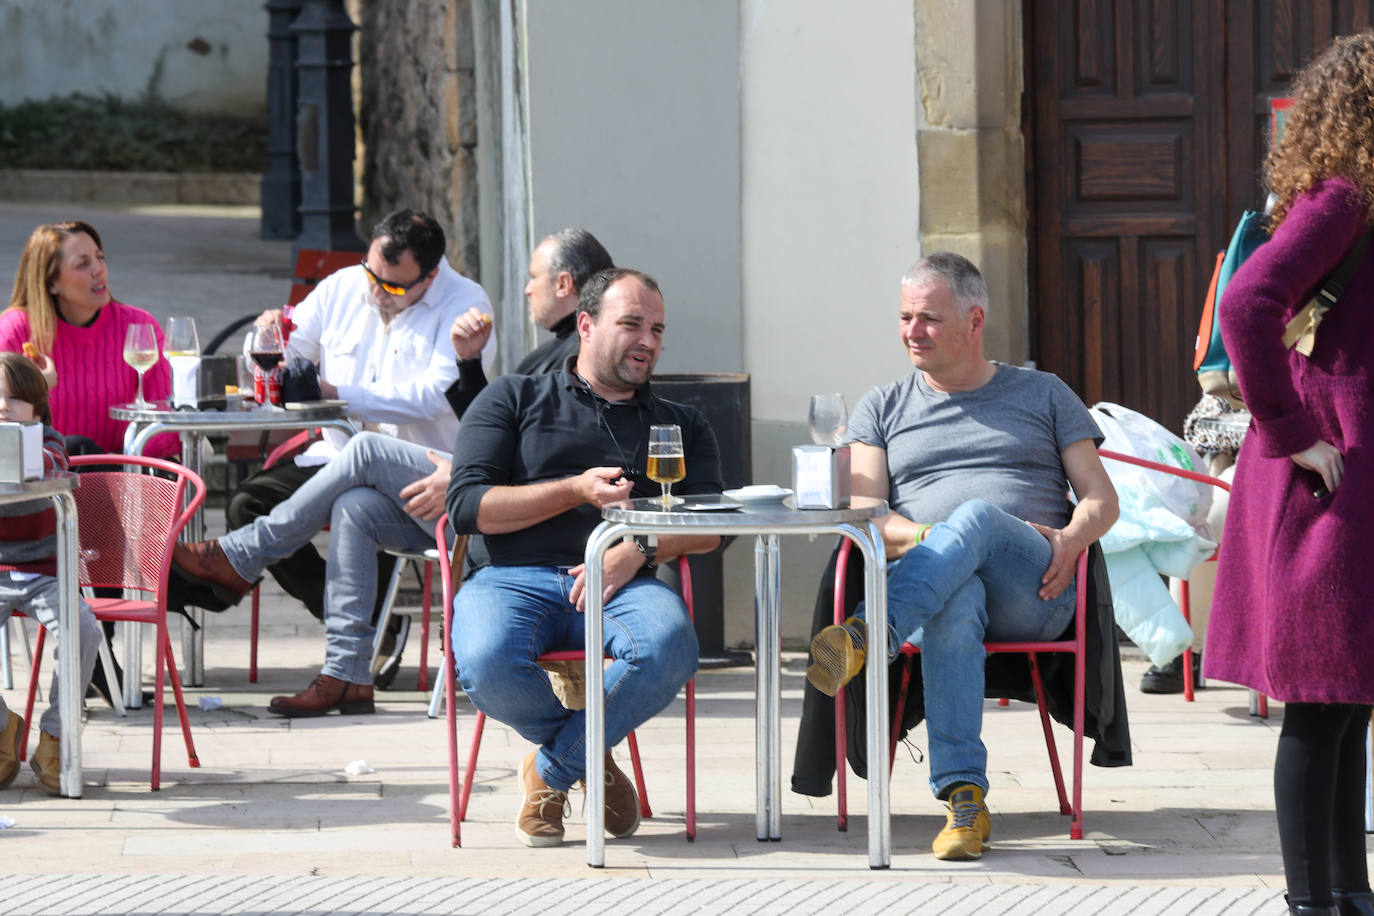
1147,123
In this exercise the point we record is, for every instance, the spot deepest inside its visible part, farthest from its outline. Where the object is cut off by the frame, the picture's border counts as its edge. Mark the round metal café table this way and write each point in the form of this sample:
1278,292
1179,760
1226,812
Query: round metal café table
767,522
193,425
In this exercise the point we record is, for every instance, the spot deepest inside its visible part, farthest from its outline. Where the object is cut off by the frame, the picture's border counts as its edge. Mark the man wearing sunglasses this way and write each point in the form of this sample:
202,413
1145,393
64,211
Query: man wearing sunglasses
379,335
384,492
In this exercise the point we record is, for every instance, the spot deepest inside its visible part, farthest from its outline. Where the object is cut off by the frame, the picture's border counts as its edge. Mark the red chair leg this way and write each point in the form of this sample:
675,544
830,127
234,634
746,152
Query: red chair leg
253,641
692,760
451,715
1080,681
901,706
159,675
426,596
644,809
841,766
1049,735
33,690
472,764
192,759
1188,685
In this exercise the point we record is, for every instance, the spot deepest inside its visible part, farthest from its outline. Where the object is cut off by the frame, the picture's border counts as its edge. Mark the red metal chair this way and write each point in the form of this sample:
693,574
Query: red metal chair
1074,644
1185,604
458,795
127,523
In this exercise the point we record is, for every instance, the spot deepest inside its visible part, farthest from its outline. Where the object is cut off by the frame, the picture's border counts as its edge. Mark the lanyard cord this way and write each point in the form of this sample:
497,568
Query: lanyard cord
627,467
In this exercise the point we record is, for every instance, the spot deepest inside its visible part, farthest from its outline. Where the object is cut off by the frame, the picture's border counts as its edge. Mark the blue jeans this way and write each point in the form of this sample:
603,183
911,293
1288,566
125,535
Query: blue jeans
975,577
505,617
357,494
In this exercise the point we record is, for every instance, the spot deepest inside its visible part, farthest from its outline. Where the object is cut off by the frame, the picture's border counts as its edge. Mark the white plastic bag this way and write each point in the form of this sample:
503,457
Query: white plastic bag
1135,434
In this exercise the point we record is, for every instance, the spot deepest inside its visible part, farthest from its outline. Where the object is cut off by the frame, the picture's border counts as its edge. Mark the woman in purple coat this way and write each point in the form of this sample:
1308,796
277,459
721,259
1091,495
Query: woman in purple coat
1293,616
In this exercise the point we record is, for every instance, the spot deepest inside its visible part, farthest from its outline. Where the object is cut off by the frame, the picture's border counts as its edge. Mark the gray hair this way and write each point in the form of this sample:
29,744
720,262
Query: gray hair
579,253
957,272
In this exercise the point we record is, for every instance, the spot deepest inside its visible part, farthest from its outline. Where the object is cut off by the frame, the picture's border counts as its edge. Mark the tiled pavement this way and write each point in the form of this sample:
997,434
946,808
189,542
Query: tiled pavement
270,823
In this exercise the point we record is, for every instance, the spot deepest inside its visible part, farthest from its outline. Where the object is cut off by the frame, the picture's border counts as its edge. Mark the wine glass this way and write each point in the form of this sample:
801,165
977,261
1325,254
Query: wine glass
265,349
827,419
140,352
181,337
667,464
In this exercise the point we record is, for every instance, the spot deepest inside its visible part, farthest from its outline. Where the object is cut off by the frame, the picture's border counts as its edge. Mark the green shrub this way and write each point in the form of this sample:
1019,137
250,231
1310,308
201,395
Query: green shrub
84,132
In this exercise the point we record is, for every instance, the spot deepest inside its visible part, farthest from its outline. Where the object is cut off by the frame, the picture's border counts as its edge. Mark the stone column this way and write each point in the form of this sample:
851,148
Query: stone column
417,116
971,153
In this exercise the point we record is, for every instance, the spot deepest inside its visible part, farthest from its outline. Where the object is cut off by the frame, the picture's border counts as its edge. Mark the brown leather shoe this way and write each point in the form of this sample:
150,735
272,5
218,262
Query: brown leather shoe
622,804
47,763
540,821
323,694
11,737
204,563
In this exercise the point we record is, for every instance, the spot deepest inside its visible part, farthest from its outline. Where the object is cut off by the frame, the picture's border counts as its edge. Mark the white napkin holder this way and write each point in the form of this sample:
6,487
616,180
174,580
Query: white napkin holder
21,451
820,476
185,380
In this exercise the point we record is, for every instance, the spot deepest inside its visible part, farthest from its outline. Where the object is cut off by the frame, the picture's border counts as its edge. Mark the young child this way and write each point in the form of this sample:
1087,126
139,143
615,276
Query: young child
28,569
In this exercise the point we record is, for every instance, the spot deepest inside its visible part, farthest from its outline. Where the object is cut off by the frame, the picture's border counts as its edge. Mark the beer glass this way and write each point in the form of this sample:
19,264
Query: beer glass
667,464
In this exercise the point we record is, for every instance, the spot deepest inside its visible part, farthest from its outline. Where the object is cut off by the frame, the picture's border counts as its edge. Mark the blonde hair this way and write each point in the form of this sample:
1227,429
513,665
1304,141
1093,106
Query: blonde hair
1329,131
39,266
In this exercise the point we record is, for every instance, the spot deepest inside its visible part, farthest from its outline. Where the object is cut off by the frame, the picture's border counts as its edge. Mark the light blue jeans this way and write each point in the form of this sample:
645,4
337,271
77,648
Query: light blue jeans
357,494
37,597
505,617
975,577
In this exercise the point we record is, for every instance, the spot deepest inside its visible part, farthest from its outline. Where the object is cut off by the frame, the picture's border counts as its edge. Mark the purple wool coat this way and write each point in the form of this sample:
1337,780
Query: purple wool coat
1292,614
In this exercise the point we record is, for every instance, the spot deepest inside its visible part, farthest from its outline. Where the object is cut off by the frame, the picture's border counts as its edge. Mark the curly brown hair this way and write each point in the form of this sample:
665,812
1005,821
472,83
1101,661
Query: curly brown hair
1330,128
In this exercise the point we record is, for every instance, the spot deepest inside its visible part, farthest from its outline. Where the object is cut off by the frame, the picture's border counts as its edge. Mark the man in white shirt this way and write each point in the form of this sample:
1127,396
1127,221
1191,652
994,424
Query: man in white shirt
379,334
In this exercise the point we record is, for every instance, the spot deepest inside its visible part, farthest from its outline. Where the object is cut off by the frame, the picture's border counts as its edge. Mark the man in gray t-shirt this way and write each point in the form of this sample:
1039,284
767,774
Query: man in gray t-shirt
976,460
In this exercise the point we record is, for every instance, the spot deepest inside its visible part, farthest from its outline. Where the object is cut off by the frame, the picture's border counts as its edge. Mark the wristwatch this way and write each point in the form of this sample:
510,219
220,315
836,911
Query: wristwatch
649,547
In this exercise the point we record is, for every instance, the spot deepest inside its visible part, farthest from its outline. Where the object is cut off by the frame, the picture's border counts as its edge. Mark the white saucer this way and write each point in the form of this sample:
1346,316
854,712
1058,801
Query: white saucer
759,493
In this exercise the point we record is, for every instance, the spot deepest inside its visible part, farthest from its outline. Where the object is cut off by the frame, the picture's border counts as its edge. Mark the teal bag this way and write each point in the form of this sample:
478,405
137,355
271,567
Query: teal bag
1213,366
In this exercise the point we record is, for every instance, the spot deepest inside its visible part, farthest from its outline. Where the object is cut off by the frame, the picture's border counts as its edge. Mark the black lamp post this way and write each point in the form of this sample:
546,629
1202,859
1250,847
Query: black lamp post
324,127
281,184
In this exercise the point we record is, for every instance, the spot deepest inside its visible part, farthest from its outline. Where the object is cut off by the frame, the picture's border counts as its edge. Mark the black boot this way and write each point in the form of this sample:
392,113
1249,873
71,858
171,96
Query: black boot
1307,909
1354,903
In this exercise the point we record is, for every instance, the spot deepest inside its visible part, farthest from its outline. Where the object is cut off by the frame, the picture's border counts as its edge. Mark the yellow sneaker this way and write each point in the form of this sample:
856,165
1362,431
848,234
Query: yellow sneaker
967,826
46,763
11,737
838,652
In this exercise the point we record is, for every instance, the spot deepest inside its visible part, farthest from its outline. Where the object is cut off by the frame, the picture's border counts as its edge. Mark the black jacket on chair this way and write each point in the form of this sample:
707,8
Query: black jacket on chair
1008,675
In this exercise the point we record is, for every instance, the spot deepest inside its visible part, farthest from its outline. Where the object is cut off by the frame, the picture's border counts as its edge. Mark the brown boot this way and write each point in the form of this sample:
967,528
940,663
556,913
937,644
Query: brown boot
622,804
47,763
323,694
204,563
11,737
540,821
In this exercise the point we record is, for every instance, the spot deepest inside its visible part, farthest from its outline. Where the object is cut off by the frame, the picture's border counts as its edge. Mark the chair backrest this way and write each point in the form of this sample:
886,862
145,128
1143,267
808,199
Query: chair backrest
127,521
313,265
291,447
1164,468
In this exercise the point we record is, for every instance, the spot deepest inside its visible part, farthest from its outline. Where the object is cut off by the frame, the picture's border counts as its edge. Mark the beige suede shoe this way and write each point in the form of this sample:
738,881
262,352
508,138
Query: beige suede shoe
11,736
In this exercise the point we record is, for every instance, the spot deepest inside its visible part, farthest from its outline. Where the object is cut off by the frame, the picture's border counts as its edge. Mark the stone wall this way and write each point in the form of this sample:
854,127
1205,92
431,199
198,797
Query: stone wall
417,120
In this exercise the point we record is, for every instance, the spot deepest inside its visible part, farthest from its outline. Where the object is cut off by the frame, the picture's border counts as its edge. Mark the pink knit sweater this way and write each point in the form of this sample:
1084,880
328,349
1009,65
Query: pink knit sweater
92,375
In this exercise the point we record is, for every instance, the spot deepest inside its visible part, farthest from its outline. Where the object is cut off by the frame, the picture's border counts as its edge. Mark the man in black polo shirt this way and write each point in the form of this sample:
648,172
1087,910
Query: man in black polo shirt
538,458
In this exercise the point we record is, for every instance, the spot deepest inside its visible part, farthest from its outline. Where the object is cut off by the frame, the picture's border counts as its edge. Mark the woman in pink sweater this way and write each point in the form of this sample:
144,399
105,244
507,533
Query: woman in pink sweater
61,305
